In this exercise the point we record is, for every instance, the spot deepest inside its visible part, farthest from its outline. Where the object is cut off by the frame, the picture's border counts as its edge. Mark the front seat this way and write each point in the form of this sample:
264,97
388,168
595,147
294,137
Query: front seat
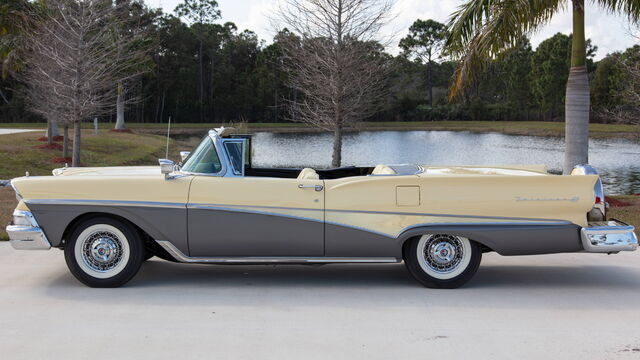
308,174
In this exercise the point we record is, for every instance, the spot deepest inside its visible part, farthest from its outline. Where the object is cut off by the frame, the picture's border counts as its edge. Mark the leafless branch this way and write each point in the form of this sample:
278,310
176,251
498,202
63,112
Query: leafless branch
332,59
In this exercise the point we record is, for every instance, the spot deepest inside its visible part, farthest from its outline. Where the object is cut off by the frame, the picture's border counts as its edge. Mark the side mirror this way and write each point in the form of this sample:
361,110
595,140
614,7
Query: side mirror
184,154
166,166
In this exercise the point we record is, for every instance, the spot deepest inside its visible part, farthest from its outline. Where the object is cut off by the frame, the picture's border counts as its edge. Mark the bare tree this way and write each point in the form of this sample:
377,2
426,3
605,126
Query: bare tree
333,60
627,109
74,62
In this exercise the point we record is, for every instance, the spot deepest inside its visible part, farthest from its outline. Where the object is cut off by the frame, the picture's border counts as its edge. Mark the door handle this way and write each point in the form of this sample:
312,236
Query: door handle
315,187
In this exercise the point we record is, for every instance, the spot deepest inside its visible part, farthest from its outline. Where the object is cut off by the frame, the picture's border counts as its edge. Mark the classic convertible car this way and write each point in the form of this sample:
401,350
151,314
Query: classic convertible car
216,208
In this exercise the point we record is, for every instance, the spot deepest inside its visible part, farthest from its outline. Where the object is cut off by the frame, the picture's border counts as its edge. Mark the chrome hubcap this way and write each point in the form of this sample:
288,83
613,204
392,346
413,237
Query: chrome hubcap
443,253
102,251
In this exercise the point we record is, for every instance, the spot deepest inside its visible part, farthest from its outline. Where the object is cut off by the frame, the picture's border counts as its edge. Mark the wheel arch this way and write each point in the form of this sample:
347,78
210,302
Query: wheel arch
148,240
507,239
158,223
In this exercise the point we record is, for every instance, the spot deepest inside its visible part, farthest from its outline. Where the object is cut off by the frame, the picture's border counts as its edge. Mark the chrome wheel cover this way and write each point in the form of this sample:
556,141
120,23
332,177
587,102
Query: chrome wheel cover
443,256
102,251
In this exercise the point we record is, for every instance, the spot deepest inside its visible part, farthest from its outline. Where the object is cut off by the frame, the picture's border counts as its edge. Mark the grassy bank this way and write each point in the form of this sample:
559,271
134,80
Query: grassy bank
535,128
19,152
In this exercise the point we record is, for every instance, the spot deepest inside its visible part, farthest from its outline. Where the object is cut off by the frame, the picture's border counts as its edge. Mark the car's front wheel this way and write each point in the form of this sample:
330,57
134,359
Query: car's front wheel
442,261
104,252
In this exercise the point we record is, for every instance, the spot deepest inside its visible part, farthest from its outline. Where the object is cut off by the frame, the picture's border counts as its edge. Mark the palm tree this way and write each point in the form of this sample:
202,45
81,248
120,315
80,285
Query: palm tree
482,29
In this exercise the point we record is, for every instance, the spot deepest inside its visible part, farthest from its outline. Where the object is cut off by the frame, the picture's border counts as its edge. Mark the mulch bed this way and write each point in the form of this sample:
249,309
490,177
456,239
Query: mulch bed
61,160
616,202
55,138
54,146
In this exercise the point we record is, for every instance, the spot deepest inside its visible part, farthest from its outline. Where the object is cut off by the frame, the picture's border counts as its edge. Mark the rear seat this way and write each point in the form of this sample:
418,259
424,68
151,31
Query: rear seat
308,174
383,170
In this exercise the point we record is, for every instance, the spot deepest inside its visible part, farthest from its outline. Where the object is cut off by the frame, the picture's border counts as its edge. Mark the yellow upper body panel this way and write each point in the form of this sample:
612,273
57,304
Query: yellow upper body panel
478,193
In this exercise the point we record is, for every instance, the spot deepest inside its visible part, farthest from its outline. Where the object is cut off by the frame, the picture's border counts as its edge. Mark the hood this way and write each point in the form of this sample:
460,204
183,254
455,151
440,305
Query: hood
113,170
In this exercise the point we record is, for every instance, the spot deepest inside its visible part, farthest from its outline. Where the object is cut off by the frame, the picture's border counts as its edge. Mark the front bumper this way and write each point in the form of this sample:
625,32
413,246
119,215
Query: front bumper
609,237
27,237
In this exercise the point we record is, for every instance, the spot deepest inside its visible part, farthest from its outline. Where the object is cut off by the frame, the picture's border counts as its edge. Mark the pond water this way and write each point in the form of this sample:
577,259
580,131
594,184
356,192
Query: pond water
617,160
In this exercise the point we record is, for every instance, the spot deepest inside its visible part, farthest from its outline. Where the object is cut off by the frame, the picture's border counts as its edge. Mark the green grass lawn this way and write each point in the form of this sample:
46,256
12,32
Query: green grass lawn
19,152
537,128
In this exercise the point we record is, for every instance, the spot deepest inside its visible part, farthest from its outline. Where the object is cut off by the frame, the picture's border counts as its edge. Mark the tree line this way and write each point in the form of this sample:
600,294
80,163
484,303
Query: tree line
203,70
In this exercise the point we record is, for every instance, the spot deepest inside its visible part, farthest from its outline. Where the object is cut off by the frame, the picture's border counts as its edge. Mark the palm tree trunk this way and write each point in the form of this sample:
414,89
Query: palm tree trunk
577,96
75,161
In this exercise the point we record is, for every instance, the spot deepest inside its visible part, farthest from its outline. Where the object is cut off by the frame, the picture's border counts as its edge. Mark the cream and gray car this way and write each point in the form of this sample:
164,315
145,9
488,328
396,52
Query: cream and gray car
216,208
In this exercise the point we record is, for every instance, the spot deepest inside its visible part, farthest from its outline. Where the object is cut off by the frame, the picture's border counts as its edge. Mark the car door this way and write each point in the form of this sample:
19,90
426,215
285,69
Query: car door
255,216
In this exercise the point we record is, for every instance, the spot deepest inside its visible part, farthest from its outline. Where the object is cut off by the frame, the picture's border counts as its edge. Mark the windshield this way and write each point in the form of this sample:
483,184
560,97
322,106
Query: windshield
204,159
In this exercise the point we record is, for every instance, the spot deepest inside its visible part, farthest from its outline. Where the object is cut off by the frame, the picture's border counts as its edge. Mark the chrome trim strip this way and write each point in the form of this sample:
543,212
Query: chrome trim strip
105,203
18,195
598,190
550,221
445,215
181,257
251,211
533,221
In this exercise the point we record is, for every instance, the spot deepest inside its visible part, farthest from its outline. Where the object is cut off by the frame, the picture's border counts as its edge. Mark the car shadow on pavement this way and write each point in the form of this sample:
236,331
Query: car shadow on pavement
159,274
561,277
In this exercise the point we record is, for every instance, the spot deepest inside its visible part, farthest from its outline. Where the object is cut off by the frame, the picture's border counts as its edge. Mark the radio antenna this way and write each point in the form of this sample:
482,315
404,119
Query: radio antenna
168,132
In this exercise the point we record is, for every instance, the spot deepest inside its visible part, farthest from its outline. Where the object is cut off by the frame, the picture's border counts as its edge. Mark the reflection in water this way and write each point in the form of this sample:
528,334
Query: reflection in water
617,160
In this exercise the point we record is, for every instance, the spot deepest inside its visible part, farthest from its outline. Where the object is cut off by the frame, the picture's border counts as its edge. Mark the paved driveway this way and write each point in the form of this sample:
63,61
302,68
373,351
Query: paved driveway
16,131
581,306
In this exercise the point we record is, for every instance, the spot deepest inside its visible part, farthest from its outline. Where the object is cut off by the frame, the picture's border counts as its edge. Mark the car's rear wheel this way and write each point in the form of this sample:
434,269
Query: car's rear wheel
442,261
104,252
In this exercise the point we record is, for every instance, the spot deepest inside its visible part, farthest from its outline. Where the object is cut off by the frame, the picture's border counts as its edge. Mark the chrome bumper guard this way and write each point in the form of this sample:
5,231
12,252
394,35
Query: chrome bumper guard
27,237
609,237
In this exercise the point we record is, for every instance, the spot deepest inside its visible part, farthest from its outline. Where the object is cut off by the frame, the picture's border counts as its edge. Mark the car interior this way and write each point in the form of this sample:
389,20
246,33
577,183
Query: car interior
320,174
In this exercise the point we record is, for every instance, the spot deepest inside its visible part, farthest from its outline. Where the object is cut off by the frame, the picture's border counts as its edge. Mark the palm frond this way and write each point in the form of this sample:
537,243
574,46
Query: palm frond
481,29
630,8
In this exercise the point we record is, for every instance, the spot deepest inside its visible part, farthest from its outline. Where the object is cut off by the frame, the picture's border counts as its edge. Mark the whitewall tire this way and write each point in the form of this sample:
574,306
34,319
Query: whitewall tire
104,252
441,260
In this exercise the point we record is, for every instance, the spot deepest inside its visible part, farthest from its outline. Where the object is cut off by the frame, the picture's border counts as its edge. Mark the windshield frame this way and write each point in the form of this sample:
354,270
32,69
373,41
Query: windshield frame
241,142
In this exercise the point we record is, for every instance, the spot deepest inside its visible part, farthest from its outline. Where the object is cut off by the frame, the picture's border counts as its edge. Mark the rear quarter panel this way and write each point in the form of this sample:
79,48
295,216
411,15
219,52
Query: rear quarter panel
370,203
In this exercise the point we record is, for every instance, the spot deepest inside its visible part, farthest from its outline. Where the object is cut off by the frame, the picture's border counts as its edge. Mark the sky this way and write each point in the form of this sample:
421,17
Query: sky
609,32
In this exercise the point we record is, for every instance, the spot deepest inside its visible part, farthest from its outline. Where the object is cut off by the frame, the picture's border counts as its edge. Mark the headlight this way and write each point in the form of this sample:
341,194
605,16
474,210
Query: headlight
22,218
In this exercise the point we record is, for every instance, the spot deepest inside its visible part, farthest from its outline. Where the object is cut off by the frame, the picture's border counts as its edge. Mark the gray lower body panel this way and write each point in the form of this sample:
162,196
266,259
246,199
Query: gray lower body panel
234,233
161,223
512,239
223,233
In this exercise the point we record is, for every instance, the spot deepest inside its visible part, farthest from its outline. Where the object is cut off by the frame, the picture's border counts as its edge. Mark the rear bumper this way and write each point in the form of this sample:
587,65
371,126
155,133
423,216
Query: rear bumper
27,237
608,236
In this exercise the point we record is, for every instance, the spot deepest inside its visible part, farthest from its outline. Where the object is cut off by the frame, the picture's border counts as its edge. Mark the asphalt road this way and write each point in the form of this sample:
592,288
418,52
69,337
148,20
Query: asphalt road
573,306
